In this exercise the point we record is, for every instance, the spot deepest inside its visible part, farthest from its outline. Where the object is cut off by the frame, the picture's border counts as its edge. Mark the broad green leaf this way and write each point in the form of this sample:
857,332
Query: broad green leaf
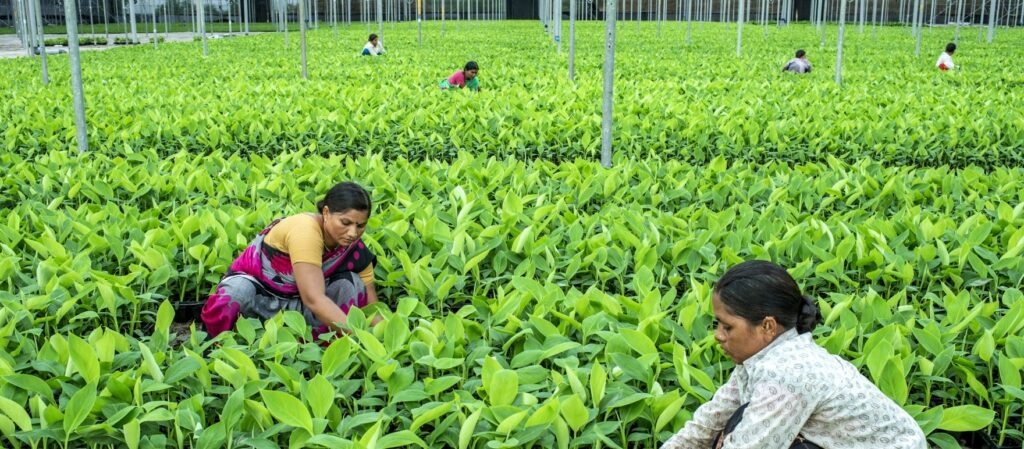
639,342
84,358
132,434
78,408
669,413
182,368
335,356
504,387
149,363
598,380
212,437
430,415
404,438
320,396
986,346
546,414
32,384
16,413
965,418
575,413
329,442
468,428
893,382
511,422
371,436
287,409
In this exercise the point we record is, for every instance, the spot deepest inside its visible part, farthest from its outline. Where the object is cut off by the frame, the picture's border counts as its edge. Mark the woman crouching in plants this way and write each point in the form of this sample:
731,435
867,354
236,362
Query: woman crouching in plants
315,264
786,391
465,78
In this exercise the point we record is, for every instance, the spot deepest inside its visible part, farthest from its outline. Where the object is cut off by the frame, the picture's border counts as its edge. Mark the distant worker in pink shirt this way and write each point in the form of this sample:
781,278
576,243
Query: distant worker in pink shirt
463,78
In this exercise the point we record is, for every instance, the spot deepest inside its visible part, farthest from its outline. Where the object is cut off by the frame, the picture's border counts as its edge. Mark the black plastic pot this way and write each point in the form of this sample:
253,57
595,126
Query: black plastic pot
187,311
982,440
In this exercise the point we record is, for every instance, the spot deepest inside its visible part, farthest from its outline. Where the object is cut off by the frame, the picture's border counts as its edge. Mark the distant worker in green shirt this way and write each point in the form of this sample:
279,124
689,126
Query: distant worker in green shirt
463,78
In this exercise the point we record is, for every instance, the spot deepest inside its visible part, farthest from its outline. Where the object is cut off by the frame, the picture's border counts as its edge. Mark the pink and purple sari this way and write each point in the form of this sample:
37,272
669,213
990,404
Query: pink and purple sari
260,283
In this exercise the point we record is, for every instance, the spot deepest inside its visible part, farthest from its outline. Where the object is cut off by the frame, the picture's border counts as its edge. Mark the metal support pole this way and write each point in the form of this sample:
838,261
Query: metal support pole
76,76
31,31
864,13
959,18
557,12
821,20
572,40
380,21
42,42
874,18
842,35
689,20
992,20
419,22
153,12
739,29
201,16
918,16
302,37
609,84
131,17
284,21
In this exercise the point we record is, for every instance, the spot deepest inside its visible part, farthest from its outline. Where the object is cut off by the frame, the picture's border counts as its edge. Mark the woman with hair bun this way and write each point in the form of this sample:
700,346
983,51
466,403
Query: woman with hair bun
313,263
786,391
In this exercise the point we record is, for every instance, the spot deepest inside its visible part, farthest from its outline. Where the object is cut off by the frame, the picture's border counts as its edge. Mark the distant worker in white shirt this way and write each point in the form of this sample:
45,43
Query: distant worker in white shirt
373,46
786,391
799,64
945,61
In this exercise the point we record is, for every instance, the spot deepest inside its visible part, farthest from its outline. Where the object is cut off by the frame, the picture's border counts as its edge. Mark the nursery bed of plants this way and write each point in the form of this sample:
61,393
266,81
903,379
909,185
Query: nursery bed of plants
531,298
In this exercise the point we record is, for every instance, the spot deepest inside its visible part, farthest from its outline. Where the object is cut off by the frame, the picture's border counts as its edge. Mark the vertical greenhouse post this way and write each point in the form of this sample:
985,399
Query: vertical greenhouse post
106,26
42,42
572,40
302,37
201,17
419,22
155,31
874,18
739,29
380,21
609,84
556,6
959,18
918,18
992,20
76,75
842,35
32,30
131,15
689,20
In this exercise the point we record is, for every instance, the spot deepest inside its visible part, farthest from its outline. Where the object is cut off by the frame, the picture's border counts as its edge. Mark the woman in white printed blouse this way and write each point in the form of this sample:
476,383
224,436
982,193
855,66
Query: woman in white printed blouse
786,391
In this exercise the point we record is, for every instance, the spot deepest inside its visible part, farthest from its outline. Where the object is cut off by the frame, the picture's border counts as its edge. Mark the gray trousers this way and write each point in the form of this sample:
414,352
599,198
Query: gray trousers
346,289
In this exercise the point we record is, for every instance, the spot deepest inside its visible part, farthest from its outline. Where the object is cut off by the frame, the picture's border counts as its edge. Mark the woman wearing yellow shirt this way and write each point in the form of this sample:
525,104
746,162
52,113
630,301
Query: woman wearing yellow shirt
315,264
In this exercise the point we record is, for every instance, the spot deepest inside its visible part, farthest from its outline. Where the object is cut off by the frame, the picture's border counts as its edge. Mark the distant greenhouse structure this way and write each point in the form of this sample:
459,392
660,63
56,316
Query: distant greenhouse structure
936,12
